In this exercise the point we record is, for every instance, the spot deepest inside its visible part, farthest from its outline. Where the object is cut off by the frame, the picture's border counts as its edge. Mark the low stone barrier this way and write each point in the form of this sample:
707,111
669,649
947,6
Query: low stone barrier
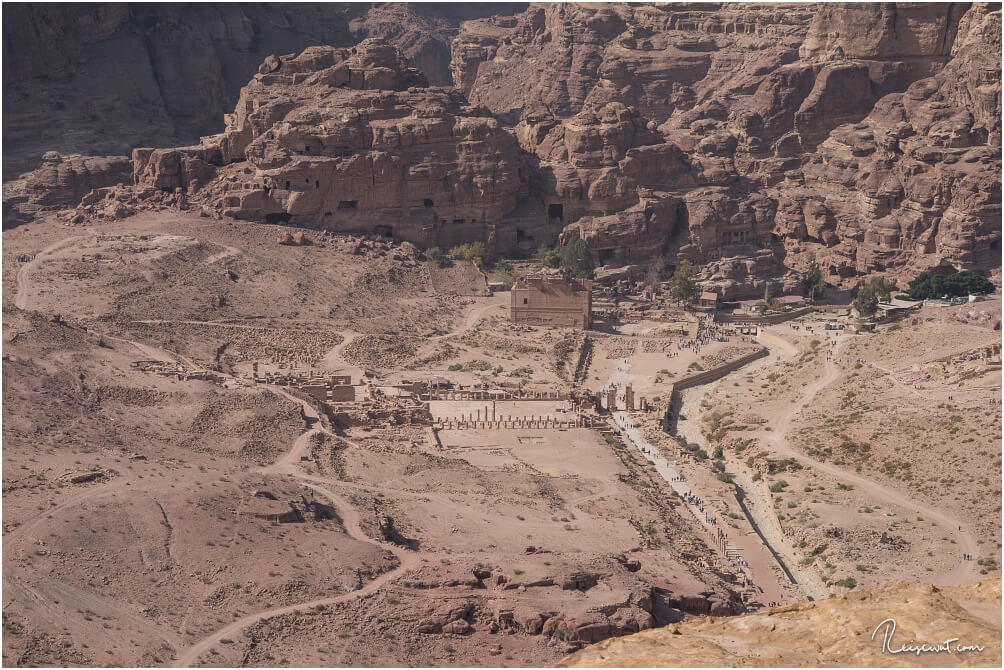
710,376
765,319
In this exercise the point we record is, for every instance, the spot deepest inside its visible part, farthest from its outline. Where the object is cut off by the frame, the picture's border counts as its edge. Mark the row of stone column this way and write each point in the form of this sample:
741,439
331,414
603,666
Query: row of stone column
495,395
507,422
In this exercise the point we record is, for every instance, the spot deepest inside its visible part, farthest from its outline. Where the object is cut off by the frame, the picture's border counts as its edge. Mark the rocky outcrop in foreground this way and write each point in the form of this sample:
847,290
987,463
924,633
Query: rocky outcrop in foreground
834,632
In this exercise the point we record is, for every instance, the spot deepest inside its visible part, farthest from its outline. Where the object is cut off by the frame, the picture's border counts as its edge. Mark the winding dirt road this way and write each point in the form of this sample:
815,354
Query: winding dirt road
286,465
22,299
962,571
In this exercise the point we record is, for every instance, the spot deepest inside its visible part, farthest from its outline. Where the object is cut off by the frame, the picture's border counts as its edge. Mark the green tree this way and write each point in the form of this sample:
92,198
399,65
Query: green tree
813,281
882,288
506,272
472,251
961,283
682,286
551,259
866,302
577,259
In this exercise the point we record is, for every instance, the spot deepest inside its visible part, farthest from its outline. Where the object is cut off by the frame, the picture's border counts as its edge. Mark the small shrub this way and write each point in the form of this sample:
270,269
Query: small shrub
472,251
436,255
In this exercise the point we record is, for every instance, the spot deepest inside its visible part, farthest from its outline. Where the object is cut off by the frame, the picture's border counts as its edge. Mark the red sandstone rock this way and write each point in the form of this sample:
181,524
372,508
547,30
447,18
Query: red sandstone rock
738,137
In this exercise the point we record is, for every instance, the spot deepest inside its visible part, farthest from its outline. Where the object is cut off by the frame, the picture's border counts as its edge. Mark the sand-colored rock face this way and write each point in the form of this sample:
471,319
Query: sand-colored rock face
867,134
903,30
107,78
835,632
916,183
762,102
351,139
60,182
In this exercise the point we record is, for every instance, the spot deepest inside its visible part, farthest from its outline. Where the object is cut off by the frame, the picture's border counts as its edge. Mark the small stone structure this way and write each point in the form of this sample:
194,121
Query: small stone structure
177,370
322,386
552,301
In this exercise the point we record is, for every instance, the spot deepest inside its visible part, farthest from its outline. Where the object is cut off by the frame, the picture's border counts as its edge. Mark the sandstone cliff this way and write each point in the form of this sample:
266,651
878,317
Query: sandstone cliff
104,78
739,137
834,632
768,117
351,139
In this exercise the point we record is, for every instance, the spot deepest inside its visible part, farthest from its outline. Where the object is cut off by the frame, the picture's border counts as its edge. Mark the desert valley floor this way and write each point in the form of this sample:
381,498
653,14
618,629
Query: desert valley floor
173,495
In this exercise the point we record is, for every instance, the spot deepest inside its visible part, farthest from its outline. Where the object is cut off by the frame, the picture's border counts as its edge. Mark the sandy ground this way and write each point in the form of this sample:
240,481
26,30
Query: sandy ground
158,520
151,528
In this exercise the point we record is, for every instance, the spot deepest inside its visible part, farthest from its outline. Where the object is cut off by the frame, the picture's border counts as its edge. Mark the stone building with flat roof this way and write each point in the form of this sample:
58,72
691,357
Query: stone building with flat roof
543,300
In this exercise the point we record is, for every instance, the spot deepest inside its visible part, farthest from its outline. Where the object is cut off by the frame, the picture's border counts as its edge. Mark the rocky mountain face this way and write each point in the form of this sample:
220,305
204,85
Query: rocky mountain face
351,139
740,137
840,632
106,78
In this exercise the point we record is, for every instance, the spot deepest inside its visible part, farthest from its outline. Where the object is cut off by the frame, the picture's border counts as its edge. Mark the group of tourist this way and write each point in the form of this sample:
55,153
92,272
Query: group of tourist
694,500
707,331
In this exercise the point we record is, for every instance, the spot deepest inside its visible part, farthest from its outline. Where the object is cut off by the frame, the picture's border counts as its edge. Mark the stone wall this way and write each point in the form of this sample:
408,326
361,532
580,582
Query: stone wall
766,319
711,375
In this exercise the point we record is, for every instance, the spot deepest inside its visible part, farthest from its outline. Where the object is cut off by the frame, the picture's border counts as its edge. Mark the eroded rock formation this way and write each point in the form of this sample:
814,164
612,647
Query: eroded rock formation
841,630
105,78
61,182
868,134
739,137
352,139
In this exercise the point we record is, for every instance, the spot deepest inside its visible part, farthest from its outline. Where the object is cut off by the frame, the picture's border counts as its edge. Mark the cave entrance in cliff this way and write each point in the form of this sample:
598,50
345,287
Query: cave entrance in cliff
555,211
348,204
277,218
386,232
427,203
606,256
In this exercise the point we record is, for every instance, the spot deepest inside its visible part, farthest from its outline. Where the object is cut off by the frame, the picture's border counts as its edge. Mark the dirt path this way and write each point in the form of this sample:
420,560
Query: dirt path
53,600
757,503
963,571
94,492
221,324
334,360
895,380
226,253
575,502
22,299
475,314
760,563
286,465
